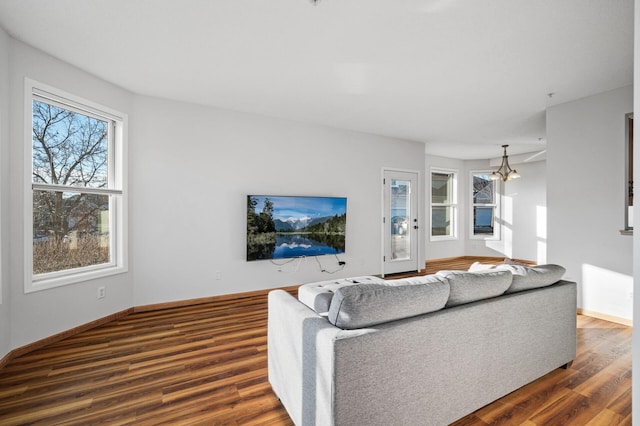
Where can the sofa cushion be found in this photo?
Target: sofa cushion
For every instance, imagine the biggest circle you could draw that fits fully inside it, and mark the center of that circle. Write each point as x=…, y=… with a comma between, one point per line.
x=529, y=277
x=364, y=305
x=318, y=295
x=467, y=287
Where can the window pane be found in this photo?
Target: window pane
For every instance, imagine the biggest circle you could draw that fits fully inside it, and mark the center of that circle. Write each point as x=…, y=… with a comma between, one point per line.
x=70, y=230
x=441, y=188
x=441, y=221
x=69, y=148
x=483, y=220
x=483, y=189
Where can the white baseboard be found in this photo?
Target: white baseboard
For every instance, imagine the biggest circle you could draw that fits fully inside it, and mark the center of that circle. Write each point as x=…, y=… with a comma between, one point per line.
x=606, y=317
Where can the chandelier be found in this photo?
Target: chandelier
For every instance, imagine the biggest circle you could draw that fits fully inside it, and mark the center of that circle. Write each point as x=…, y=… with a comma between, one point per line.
x=505, y=172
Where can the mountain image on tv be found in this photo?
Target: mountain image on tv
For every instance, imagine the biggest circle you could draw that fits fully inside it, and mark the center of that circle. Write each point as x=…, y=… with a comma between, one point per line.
x=281, y=227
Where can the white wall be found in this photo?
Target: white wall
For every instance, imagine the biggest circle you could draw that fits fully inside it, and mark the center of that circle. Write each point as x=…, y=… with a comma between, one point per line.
x=523, y=213
x=5, y=318
x=585, y=195
x=44, y=313
x=192, y=168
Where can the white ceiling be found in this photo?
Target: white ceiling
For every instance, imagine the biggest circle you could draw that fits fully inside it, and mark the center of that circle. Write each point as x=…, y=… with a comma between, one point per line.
x=463, y=76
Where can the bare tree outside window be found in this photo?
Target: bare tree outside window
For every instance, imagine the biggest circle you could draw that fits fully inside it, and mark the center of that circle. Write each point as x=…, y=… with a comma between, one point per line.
x=70, y=222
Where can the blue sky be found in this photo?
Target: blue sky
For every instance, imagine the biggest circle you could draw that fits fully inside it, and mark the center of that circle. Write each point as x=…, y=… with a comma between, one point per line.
x=303, y=207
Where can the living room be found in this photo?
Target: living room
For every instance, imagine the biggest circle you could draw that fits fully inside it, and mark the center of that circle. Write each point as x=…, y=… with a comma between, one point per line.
x=190, y=166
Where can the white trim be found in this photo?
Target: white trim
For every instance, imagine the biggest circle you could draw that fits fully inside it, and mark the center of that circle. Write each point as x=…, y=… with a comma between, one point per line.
x=381, y=219
x=117, y=149
x=453, y=204
x=71, y=102
x=27, y=191
x=497, y=227
x=83, y=189
x=606, y=317
x=382, y=215
x=73, y=276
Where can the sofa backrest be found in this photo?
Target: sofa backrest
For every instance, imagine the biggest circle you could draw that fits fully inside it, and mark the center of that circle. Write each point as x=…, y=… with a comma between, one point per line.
x=351, y=303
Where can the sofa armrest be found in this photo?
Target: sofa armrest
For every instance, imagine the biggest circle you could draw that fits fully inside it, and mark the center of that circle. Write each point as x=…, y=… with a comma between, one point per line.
x=301, y=347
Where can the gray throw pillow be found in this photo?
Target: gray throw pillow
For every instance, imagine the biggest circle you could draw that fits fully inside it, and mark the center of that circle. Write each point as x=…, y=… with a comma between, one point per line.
x=364, y=305
x=467, y=287
x=477, y=266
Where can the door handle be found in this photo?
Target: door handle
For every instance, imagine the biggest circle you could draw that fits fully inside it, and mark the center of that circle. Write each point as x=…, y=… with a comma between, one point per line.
x=415, y=226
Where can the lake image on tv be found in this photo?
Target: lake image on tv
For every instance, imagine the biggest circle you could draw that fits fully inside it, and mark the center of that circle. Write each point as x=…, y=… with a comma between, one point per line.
x=281, y=227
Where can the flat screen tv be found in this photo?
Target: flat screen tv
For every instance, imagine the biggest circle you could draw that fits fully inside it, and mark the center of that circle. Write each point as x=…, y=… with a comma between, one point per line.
x=281, y=227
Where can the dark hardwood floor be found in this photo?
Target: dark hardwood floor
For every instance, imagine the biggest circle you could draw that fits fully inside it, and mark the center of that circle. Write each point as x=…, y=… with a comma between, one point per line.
x=207, y=364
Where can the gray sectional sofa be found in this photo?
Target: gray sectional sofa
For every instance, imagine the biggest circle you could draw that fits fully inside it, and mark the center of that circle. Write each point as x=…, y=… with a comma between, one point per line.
x=419, y=351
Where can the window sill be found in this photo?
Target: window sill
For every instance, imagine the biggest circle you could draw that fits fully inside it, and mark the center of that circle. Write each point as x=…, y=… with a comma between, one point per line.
x=74, y=278
x=626, y=232
x=434, y=239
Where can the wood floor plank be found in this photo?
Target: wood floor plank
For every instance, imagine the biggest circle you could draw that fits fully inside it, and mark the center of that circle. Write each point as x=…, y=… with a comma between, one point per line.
x=622, y=404
x=565, y=410
x=206, y=364
x=44, y=412
x=609, y=418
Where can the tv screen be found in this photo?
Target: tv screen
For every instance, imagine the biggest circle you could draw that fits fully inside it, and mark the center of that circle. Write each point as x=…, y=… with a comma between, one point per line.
x=280, y=227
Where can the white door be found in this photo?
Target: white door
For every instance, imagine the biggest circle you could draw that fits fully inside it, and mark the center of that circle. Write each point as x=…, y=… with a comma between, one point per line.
x=400, y=222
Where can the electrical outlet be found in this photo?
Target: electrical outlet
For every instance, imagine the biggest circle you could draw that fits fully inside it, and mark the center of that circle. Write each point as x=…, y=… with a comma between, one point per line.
x=630, y=295
x=218, y=275
x=101, y=292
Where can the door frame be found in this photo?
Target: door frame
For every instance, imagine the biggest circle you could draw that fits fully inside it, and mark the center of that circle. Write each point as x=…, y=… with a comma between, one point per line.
x=419, y=201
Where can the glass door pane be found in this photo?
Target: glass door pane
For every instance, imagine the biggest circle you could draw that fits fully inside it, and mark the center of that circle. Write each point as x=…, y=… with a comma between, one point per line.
x=400, y=211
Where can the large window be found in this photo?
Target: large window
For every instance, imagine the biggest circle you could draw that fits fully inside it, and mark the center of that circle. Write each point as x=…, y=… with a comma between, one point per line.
x=77, y=189
x=443, y=204
x=484, y=206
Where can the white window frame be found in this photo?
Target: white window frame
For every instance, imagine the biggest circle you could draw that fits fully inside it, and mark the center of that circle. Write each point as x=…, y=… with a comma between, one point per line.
x=117, y=188
x=453, y=205
x=497, y=187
